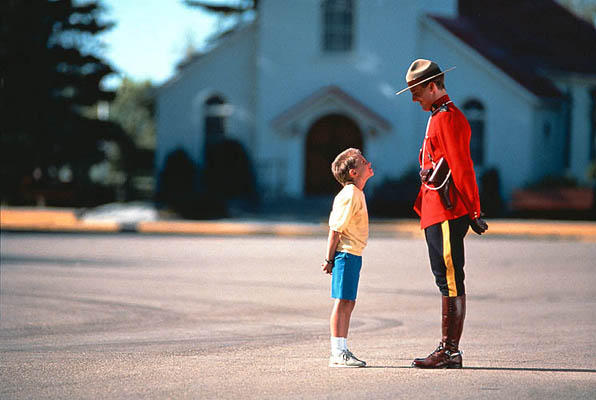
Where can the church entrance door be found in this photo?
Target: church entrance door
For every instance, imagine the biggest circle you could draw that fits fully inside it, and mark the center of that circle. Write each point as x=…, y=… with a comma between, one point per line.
x=327, y=137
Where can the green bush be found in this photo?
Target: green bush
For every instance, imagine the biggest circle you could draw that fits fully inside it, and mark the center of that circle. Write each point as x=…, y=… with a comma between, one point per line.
x=228, y=171
x=491, y=202
x=178, y=190
x=205, y=193
x=394, y=198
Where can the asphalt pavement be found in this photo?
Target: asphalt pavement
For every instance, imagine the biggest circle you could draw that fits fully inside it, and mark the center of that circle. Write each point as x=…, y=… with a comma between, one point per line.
x=192, y=316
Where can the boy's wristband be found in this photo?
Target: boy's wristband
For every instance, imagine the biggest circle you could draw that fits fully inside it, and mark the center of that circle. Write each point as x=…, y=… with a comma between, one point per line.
x=328, y=261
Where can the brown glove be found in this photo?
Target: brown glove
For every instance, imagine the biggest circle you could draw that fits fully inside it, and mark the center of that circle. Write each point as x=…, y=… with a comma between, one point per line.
x=478, y=225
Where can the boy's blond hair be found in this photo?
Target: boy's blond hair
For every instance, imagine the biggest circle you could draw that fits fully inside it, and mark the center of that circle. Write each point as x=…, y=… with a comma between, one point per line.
x=343, y=163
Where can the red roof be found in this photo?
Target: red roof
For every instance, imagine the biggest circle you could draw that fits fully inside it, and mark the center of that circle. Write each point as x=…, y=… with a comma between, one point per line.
x=527, y=39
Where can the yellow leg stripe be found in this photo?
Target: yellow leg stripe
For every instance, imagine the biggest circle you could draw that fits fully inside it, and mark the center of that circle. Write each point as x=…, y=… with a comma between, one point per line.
x=448, y=260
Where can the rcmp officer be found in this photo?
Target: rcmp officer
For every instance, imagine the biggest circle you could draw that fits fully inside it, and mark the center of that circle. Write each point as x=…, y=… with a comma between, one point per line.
x=448, y=202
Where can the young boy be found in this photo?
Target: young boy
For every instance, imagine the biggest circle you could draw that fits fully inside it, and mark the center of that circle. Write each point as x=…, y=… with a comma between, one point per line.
x=348, y=233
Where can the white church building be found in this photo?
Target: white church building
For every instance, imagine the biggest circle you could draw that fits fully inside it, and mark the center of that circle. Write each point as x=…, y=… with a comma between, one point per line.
x=306, y=79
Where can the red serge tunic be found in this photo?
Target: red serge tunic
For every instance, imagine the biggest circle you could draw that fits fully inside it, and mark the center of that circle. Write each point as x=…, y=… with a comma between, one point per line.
x=448, y=135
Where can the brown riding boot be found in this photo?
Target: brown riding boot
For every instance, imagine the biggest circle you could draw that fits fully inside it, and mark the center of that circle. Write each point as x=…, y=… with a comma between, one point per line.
x=447, y=355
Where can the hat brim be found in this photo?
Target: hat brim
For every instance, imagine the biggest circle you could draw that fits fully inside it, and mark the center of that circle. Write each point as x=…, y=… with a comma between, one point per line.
x=425, y=80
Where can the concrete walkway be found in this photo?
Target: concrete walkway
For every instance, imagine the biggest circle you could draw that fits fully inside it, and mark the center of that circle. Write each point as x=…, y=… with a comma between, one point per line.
x=68, y=220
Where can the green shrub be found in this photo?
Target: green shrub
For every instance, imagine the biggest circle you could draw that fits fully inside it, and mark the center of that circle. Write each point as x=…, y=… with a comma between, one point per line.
x=394, y=198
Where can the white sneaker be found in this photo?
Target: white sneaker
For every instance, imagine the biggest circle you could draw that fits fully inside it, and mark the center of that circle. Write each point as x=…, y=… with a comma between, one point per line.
x=345, y=360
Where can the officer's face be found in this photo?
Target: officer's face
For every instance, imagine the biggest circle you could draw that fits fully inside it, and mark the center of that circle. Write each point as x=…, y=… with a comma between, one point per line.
x=423, y=95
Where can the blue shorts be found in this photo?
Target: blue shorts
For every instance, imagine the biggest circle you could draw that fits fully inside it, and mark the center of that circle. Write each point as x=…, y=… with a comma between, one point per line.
x=345, y=276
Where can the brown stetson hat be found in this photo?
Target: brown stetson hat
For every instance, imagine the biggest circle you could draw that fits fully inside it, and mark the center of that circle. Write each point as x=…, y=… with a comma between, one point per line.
x=422, y=71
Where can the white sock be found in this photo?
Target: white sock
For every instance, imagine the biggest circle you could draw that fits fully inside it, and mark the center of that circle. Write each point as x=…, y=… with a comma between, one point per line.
x=338, y=344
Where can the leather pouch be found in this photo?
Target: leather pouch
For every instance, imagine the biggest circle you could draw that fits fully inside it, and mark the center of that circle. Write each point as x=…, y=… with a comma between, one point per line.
x=439, y=173
x=441, y=179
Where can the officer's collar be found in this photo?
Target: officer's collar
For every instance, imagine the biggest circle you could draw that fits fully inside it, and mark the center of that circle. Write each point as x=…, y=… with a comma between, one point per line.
x=441, y=102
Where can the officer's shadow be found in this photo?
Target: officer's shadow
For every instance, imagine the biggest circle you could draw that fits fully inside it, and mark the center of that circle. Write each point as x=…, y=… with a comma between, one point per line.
x=589, y=371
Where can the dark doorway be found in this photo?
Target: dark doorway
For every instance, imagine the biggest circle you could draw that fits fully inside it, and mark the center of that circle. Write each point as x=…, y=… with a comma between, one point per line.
x=327, y=137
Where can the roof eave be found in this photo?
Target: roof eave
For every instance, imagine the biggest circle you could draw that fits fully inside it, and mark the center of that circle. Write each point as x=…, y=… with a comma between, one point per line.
x=477, y=57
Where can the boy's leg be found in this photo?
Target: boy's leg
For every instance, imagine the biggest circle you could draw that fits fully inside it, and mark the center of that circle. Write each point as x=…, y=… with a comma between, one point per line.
x=340, y=317
x=339, y=324
x=346, y=274
x=344, y=288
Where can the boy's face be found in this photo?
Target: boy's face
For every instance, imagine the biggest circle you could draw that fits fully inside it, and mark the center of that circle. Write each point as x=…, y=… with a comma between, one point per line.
x=363, y=170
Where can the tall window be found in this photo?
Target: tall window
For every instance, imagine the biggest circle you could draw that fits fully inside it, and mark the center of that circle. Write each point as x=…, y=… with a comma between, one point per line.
x=338, y=21
x=593, y=128
x=567, y=107
x=474, y=111
x=215, y=113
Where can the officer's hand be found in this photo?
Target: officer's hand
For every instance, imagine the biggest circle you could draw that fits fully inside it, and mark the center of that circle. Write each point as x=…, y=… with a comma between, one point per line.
x=478, y=225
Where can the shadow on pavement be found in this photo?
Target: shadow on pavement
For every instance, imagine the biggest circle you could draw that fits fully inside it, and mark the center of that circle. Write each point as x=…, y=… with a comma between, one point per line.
x=590, y=371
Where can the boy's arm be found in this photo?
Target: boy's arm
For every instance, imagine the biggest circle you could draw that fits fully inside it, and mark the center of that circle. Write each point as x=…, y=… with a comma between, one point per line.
x=332, y=242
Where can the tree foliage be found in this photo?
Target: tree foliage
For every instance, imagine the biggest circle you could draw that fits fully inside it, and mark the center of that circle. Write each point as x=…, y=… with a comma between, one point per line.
x=231, y=14
x=229, y=8
x=50, y=73
x=133, y=110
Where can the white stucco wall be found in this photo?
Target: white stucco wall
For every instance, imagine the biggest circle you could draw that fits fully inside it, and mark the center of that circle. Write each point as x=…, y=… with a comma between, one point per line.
x=228, y=72
x=548, y=143
x=292, y=66
x=268, y=68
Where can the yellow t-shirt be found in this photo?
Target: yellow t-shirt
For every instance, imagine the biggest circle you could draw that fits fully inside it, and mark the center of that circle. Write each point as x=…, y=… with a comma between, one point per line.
x=349, y=217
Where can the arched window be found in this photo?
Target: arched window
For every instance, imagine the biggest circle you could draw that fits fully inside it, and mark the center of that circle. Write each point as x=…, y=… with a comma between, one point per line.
x=215, y=113
x=474, y=111
x=338, y=21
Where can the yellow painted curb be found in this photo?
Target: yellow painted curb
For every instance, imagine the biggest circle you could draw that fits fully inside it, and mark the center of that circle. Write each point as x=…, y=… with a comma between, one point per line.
x=50, y=220
x=580, y=230
x=54, y=220
x=229, y=228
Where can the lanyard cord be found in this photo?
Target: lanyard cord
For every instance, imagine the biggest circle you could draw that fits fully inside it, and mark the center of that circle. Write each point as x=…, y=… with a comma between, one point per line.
x=424, y=150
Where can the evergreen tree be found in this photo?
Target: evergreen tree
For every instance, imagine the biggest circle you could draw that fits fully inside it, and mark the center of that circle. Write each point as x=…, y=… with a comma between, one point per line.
x=50, y=72
x=133, y=110
x=229, y=8
x=231, y=14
